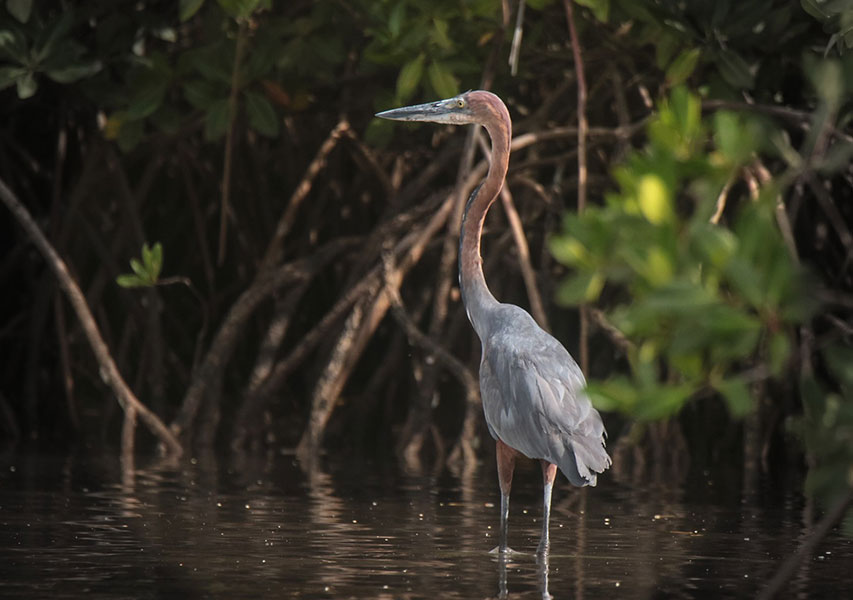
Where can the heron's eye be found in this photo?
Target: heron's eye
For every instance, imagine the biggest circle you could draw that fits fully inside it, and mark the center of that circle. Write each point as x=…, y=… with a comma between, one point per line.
x=460, y=103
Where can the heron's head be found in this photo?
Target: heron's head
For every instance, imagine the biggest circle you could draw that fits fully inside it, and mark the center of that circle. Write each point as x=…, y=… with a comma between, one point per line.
x=471, y=107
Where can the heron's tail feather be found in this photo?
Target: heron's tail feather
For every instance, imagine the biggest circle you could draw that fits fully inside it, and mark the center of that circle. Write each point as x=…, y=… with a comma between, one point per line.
x=587, y=457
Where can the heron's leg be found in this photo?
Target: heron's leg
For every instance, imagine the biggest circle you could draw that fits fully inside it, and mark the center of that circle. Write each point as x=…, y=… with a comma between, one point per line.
x=506, y=465
x=549, y=473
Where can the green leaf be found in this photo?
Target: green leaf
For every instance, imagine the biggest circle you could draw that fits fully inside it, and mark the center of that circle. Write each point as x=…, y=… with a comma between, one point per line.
x=262, y=117
x=153, y=260
x=199, y=93
x=217, y=119
x=27, y=85
x=20, y=9
x=442, y=80
x=127, y=280
x=74, y=73
x=735, y=70
x=813, y=7
x=395, y=20
x=409, y=78
x=683, y=66
x=130, y=134
x=737, y=396
x=187, y=8
x=57, y=36
x=9, y=75
x=146, y=100
x=139, y=268
x=599, y=8
x=240, y=9
x=14, y=46
x=439, y=34
x=584, y=286
x=735, y=139
x=655, y=199
x=779, y=351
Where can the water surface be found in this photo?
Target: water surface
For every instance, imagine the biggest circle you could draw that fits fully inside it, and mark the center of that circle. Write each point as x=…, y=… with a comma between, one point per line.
x=71, y=527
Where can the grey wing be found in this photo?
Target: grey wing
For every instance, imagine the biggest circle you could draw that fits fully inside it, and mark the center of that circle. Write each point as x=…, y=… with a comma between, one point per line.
x=534, y=401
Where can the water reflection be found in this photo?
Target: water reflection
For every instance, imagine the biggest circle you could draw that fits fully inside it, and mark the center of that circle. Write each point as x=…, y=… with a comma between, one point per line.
x=265, y=528
x=542, y=570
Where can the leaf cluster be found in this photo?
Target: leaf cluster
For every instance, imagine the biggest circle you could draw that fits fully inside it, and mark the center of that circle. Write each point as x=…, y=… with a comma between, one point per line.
x=701, y=301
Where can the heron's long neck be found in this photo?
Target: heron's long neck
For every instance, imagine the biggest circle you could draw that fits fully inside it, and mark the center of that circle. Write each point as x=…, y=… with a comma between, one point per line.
x=475, y=293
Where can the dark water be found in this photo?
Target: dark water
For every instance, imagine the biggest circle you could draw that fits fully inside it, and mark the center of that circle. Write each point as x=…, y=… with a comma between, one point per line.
x=70, y=528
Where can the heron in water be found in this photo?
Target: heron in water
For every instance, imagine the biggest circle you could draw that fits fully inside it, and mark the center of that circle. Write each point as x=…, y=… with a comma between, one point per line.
x=532, y=389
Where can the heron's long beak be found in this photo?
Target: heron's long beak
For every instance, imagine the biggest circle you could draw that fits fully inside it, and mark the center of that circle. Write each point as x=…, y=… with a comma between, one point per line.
x=431, y=111
x=452, y=111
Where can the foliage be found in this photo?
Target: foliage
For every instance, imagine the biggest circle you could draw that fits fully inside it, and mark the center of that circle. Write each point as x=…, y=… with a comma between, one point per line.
x=827, y=428
x=707, y=306
x=146, y=272
x=31, y=48
x=689, y=256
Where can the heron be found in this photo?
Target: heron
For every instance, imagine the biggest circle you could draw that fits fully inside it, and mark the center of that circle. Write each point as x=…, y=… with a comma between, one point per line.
x=532, y=390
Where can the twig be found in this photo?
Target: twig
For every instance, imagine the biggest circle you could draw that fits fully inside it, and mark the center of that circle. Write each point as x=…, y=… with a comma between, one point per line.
x=834, y=216
x=801, y=118
x=721, y=201
x=517, y=34
x=782, y=220
x=274, y=248
x=618, y=338
x=228, y=160
x=459, y=370
x=109, y=371
x=583, y=126
x=334, y=376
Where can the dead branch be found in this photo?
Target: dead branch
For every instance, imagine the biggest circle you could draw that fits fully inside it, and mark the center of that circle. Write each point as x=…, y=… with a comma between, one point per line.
x=109, y=371
x=210, y=370
x=274, y=248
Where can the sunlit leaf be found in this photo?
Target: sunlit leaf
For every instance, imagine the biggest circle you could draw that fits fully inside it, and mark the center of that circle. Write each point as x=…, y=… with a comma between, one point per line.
x=409, y=78
x=439, y=34
x=682, y=67
x=735, y=391
x=131, y=281
x=442, y=80
x=655, y=199
x=735, y=139
x=583, y=286
x=569, y=250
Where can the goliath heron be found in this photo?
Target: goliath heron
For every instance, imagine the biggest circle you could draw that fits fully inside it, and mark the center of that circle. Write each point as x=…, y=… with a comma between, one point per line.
x=532, y=389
